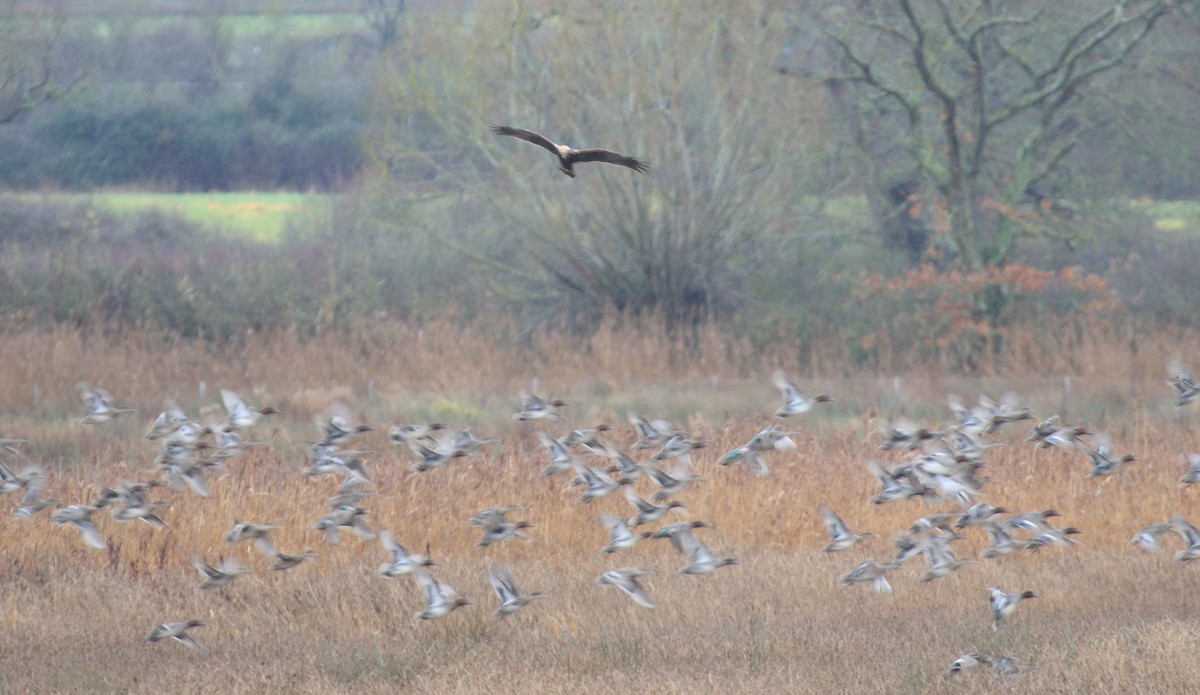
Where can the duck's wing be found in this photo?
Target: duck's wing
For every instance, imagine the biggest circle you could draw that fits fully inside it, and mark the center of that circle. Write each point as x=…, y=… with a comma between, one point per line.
x=433, y=591
x=685, y=541
x=1188, y=532
x=530, y=401
x=757, y=465
x=834, y=524
x=641, y=424
x=637, y=502
x=205, y=569
x=234, y=405
x=617, y=528
x=701, y=555
x=194, y=477
x=90, y=534
x=334, y=419
x=502, y=582
x=397, y=551
x=33, y=491
x=791, y=393
x=231, y=565
x=626, y=580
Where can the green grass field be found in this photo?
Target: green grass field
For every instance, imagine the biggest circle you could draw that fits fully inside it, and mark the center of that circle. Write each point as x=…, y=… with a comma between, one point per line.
x=1174, y=216
x=260, y=216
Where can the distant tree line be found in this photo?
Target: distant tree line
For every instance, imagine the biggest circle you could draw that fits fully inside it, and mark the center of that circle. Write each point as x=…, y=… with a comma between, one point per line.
x=197, y=102
x=1083, y=97
x=890, y=173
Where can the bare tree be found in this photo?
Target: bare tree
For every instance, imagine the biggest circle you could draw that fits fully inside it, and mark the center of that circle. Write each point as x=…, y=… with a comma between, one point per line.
x=973, y=104
x=383, y=17
x=29, y=35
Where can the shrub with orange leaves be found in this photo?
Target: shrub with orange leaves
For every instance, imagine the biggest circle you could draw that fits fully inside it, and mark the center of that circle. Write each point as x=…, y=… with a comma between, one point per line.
x=965, y=318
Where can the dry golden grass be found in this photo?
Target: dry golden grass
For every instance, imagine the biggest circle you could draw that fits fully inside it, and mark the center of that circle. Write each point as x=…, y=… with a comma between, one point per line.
x=1110, y=618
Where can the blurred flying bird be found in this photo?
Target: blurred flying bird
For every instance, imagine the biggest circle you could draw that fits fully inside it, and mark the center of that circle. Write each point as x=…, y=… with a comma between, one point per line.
x=80, y=516
x=440, y=599
x=841, y=537
x=626, y=579
x=1193, y=474
x=1147, y=538
x=536, y=408
x=402, y=562
x=100, y=404
x=176, y=631
x=511, y=600
x=283, y=561
x=794, y=402
x=568, y=157
x=1186, y=388
x=868, y=573
x=239, y=415
x=220, y=575
x=1004, y=604
x=334, y=423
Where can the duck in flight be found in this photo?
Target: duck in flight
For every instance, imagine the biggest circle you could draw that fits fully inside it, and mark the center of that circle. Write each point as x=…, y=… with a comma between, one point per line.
x=567, y=156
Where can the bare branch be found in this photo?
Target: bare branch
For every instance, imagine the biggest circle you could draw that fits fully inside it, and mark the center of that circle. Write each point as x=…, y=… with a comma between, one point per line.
x=27, y=78
x=866, y=74
x=1066, y=74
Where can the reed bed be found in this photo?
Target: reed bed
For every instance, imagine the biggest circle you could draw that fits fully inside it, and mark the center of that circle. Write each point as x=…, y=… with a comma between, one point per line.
x=1109, y=618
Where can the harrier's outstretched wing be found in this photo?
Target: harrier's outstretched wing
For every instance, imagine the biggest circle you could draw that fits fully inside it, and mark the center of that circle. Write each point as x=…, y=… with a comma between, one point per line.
x=601, y=155
x=528, y=136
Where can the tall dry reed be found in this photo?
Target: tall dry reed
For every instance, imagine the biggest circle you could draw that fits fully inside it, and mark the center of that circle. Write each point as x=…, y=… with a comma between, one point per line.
x=1110, y=618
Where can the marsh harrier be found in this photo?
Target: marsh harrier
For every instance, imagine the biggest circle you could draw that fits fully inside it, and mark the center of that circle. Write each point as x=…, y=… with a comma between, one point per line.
x=568, y=157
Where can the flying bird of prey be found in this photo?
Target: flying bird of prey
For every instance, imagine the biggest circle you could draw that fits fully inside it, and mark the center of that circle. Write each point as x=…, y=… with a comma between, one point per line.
x=567, y=156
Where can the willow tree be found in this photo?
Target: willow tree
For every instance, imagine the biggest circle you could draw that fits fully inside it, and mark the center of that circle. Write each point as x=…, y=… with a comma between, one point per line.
x=685, y=86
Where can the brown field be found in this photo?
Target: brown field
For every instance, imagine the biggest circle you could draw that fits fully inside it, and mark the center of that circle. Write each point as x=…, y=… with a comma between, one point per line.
x=72, y=619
